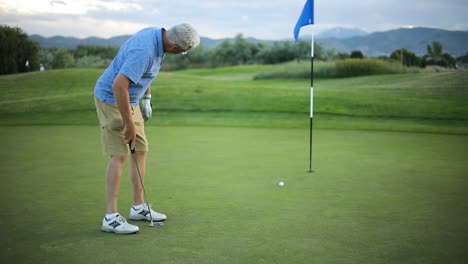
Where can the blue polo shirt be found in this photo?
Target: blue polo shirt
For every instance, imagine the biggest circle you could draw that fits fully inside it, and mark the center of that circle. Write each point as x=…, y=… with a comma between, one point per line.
x=139, y=59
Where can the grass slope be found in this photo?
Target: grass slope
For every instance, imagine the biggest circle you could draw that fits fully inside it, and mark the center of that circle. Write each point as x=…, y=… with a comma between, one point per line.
x=375, y=197
x=430, y=102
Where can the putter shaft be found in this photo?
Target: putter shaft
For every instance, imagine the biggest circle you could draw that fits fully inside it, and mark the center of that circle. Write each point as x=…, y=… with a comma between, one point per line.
x=142, y=185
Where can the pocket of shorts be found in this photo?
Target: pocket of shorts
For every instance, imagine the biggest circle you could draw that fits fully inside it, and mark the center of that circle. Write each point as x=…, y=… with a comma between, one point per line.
x=114, y=124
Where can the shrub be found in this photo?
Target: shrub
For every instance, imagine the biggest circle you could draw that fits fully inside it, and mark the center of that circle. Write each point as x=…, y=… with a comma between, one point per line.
x=362, y=67
x=92, y=61
x=337, y=69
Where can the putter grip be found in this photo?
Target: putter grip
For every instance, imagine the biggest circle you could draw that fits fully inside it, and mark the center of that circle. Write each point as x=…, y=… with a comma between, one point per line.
x=131, y=150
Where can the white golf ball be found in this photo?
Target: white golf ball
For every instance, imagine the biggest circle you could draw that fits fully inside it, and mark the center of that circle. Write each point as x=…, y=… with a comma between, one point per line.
x=281, y=184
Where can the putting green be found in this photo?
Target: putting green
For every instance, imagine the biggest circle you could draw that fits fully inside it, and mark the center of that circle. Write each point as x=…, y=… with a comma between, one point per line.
x=375, y=197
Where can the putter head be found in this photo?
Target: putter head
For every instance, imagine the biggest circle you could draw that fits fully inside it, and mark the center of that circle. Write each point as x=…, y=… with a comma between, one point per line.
x=156, y=224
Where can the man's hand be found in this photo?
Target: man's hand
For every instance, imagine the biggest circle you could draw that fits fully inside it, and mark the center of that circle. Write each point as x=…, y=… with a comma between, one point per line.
x=146, y=109
x=130, y=135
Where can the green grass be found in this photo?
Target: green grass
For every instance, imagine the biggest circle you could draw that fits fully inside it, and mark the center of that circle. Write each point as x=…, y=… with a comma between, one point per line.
x=433, y=102
x=375, y=197
x=219, y=144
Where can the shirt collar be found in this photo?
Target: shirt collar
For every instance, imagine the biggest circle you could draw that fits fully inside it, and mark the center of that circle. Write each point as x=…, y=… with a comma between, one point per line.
x=160, y=42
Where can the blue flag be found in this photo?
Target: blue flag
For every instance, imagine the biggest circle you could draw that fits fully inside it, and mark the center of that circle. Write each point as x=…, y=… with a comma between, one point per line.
x=306, y=18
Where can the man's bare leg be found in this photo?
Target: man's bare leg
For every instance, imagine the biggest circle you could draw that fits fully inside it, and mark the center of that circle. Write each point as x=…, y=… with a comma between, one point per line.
x=113, y=176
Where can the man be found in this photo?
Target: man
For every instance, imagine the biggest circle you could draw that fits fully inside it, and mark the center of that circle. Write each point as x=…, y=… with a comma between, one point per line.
x=117, y=94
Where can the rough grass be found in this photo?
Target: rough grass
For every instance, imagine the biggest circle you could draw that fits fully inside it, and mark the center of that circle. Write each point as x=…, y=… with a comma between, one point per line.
x=433, y=102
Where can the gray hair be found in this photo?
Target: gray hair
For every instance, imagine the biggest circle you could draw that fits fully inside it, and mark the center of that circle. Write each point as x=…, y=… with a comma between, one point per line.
x=183, y=35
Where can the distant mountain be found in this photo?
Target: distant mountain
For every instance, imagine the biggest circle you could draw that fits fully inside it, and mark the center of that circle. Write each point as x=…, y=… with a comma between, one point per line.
x=72, y=43
x=341, y=33
x=372, y=45
x=210, y=43
x=413, y=39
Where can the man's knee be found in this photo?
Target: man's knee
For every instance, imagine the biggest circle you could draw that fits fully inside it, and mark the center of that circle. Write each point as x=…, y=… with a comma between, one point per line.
x=119, y=159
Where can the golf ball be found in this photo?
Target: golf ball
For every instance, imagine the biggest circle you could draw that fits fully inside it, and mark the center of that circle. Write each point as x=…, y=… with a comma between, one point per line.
x=281, y=184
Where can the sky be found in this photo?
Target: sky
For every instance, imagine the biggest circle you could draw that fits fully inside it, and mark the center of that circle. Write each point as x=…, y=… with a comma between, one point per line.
x=262, y=19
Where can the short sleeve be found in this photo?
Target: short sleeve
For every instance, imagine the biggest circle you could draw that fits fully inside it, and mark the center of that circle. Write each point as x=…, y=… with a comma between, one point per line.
x=135, y=64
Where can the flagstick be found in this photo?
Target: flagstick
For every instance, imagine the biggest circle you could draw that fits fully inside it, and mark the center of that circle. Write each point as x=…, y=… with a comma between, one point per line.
x=311, y=96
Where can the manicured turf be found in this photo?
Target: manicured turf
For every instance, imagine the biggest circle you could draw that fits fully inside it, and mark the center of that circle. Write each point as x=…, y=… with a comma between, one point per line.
x=375, y=197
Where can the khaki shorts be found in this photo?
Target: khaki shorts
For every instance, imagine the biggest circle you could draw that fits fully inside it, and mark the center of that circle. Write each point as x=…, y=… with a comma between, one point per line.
x=111, y=125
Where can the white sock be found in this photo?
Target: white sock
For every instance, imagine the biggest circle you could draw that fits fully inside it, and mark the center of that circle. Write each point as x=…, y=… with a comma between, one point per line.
x=111, y=216
x=138, y=207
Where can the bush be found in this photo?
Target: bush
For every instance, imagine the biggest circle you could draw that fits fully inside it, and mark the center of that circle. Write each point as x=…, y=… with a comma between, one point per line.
x=92, y=61
x=362, y=67
x=337, y=69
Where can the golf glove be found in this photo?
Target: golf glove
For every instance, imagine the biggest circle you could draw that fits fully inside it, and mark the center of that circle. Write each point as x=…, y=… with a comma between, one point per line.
x=146, y=108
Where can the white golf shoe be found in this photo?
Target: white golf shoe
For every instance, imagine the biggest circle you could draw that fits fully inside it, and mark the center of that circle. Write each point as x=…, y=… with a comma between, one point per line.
x=118, y=225
x=144, y=214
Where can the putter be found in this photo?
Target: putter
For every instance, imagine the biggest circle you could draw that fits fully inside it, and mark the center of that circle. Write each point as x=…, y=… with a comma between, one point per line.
x=152, y=223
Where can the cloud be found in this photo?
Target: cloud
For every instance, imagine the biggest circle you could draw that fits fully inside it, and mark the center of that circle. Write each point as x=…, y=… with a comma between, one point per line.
x=115, y=5
x=79, y=27
x=54, y=2
x=268, y=19
x=377, y=15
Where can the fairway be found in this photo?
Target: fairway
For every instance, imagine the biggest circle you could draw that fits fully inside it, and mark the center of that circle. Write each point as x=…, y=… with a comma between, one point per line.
x=375, y=197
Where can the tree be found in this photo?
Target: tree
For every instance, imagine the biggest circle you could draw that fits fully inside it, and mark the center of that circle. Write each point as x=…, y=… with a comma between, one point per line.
x=436, y=56
x=319, y=52
x=104, y=52
x=342, y=56
x=450, y=61
x=224, y=54
x=409, y=58
x=356, y=54
x=302, y=49
x=434, y=53
x=463, y=59
x=62, y=59
x=242, y=50
x=17, y=52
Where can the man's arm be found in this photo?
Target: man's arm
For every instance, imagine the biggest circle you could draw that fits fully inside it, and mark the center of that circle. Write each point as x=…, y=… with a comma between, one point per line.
x=148, y=92
x=120, y=88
